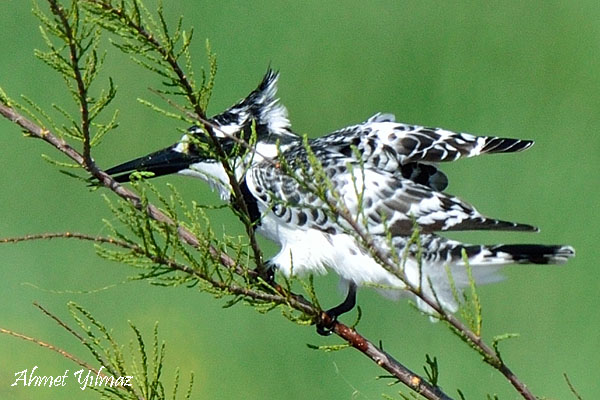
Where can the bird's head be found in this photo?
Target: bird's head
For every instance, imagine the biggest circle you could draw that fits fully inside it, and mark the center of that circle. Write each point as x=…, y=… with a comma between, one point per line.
x=249, y=130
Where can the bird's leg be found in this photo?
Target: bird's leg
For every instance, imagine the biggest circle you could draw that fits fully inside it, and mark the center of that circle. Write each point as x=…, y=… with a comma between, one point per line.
x=325, y=325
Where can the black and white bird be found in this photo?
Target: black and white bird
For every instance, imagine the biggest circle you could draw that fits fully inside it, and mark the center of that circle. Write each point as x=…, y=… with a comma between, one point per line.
x=382, y=173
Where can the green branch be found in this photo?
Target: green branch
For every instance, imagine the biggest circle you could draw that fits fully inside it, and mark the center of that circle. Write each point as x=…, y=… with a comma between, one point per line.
x=145, y=37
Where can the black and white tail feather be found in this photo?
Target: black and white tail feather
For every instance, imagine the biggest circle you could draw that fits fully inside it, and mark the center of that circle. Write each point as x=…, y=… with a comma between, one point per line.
x=385, y=173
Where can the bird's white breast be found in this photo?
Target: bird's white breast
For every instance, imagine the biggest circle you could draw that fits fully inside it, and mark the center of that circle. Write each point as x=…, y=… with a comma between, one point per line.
x=312, y=250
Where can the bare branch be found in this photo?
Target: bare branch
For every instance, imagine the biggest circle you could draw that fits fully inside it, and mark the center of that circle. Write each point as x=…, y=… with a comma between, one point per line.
x=387, y=362
x=49, y=346
x=64, y=235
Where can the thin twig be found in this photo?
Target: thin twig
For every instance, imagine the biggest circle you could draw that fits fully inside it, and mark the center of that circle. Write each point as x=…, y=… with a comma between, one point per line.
x=59, y=322
x=489, y=354
x=81, y=339
x=166, y=52
x=380, y=357
x=571, y=387
x=82, y=89
x=64, y=353
x=49, y=346
x=63, y=235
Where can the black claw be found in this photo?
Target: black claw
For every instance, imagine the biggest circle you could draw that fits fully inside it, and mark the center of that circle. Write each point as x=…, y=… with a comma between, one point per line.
x=327, y=321
x=326, y=330
x=267, y=273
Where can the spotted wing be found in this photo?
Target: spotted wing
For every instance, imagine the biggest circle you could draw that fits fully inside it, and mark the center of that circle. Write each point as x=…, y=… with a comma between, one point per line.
x=378, y=199
x=397, y=203
x=355, y=146
x=434, y=145
x=384, y=143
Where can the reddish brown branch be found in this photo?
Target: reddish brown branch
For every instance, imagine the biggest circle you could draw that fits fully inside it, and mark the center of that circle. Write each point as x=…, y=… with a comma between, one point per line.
x=49, y=346
x=380, y=357
x=489, y=355
x=387, y=362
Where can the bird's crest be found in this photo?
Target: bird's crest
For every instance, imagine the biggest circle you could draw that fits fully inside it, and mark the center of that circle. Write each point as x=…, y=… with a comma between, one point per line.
x=261, y=106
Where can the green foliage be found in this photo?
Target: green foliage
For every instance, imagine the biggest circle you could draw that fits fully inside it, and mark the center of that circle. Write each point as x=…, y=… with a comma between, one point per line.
x=73, y=41
x=155, y=249
x=145, y=371
x=498, y=338
x=145, y=35
x=469, y=303
x=73, y=36
x=432, y=370
x=328, y=348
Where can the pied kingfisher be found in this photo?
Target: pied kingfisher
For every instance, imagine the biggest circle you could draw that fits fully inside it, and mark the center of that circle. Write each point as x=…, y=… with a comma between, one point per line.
x=385, y=175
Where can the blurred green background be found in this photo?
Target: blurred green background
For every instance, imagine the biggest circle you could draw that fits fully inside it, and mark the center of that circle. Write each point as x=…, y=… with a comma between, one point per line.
x=517, y=69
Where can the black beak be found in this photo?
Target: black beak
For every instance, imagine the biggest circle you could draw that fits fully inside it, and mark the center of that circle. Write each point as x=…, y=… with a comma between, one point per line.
x=162, y=162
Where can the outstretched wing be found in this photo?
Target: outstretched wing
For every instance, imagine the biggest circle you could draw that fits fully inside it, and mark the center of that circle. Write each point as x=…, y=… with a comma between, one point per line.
x=397, y=203
x=418, y=143
x=383, y=144
x=380, y=200
x=433, y=145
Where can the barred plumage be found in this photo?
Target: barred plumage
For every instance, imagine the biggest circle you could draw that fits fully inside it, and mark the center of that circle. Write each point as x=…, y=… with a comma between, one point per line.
x=384, y=173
